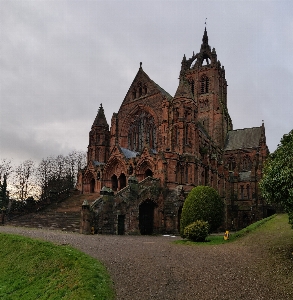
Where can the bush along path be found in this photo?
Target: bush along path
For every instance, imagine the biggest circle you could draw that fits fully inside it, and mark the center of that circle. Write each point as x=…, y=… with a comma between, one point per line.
x=258, y=265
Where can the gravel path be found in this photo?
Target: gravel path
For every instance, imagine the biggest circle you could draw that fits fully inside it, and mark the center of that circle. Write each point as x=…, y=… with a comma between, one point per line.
x=152, y=267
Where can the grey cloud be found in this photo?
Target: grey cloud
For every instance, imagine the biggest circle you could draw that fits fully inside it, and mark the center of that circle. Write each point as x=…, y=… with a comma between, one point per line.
x=61, y=59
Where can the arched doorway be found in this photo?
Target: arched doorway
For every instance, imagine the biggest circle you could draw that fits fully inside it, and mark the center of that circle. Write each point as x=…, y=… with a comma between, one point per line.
x=114, y=182
x=122, y=181
x=146, y=217
x=92, y=185
x=147, y=173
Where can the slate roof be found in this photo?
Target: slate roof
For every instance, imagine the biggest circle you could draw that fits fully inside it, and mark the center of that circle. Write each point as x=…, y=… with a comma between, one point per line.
x=162, y=90
x=243, y=138
x=97, y=163
x=183, y=90
x=245, y=175
x=128, y=153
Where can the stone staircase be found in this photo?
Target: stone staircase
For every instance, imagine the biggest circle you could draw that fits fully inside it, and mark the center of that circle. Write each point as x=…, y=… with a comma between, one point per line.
x=64, y=215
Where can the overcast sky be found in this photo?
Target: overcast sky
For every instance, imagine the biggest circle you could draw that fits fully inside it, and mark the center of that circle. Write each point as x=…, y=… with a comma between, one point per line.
x=60, y=59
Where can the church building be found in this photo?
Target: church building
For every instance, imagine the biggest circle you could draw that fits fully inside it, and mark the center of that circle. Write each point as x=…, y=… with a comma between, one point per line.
x=159, y=147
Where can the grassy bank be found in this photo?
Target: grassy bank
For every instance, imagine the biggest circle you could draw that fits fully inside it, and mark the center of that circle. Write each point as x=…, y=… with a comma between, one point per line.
x=219, y=239
x=32, y=269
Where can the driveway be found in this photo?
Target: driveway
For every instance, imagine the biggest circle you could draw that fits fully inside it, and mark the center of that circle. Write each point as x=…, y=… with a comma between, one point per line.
x=152, y=267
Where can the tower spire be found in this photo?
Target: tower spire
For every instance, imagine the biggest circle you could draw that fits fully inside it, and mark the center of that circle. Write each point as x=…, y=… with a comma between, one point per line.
x=205, y=39
x=100, y=119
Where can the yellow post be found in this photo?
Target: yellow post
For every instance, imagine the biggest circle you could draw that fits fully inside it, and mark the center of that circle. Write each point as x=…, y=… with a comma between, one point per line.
x=226, y=235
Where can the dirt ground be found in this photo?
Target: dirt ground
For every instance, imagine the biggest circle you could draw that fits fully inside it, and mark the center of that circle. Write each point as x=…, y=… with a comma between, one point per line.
x=258, y=266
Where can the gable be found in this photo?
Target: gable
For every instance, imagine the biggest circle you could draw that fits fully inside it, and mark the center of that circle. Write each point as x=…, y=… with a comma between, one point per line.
x=141, y=87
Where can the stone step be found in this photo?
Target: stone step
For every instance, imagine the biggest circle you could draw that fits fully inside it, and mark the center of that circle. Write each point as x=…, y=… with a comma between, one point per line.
x=63, y=215
x=64, y=221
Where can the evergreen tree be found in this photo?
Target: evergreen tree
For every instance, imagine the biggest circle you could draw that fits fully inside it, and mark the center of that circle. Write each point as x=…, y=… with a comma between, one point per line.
x=277, y=182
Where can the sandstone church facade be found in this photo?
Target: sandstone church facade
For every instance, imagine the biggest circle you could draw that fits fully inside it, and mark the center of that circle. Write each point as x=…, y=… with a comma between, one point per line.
x=159, y=147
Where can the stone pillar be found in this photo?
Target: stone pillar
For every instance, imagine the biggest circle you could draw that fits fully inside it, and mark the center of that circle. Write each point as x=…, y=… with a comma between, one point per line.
x=85, y=218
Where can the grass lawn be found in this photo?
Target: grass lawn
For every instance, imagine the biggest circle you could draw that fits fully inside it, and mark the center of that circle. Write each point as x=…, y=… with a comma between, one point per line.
x=32, y=269
x=219, y=239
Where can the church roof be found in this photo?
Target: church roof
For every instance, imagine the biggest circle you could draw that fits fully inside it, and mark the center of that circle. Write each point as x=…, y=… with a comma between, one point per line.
x=183, y=90
x=162, y=90
x=100, y=119
x=243, y=138
x=128, y=153
x=245, y=175
x=97, y=163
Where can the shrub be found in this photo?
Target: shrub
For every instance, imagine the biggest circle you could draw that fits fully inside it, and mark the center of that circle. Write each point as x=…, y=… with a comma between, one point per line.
x=197, y=231
x=202, y=203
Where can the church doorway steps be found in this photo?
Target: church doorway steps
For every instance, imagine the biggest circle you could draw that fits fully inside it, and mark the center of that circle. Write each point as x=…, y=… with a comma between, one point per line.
x=146, y=217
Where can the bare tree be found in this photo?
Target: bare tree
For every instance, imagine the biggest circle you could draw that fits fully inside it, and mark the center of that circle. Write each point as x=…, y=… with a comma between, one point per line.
x=5, y=168
x=75, y=160
x=44, y=173
x=55, y=174
x=24, y=185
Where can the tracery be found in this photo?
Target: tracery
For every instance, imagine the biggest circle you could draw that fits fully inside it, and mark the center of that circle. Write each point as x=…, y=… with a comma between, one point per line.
x=142, y=132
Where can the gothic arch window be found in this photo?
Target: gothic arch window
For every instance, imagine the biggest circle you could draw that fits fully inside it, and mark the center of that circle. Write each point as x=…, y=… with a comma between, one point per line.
x=188, y=114
x=145, y=89
x=140, y=91
x=186, y=173
x=186, y=137
x=246, y=164
x=122, y=181
x=176, y=114
x=114, y=182
x=204, y=84
x=133, y=94
x=142, y=131
x=148, y=173
x=177, y=135
x=180, y=169
x=248, y=191
x=175, y=138
x=192, y=86
x=92, y=185
x=231, y=163
x=98, y=155
x=241, y=192
x=205, y=61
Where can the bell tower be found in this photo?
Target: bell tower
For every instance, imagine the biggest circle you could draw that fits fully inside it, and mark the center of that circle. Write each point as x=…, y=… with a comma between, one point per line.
x=209, y=88
x=99, y=138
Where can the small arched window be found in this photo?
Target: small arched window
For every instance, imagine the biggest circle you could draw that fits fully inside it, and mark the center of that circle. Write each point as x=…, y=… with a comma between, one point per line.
x=192, y=87
x=204, y=84
x=231, y=163
x=246, y=163
x=186, y=173
x=114, y=182
x=122, y=181
x=241, y=192
x=248, y=191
